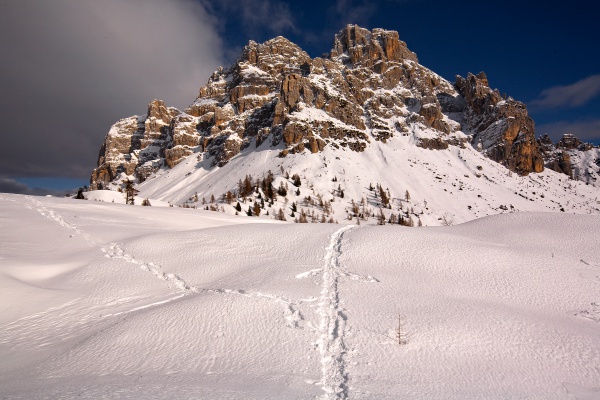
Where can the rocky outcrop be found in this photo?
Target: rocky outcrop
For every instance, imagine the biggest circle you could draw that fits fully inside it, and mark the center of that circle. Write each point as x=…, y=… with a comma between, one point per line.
x=134, y=146
x=501, y=126
x=572, y=157
x=358, y=46
x=370, y=87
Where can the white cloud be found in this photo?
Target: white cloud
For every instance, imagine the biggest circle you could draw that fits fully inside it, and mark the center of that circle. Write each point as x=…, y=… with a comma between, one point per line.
x=354, y=12
x=574, y=95
x=255, y=16
x=71, y=68
x=585, y=130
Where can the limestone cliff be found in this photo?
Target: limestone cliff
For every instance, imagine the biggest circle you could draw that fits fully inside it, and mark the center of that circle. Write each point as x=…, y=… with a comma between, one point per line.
x=370, y=87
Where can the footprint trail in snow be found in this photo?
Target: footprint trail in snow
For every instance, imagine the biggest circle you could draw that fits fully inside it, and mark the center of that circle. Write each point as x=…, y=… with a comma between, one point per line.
x=293, y=315
x=334, y=379
x=52, y=216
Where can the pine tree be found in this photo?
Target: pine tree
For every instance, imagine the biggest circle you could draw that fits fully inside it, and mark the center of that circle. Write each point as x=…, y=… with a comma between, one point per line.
x=381, y=217
x=238, y=206
x=256, y=210
x=385, y=201
x=130, y=192
x=282, y=191
x=281, y=215
x=247, y=189
x=296, y=180
x=303, y=217
x=80, y=195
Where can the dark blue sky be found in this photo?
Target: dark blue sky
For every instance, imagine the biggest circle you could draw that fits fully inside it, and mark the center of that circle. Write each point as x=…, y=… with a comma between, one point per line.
x=524, y=47
x=72, y=69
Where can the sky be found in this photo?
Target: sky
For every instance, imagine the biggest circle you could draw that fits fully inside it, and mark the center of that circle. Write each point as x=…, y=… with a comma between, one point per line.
x=72, y=68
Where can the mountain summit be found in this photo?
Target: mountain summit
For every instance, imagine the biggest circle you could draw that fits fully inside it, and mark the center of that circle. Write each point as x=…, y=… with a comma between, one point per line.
x=367, y=96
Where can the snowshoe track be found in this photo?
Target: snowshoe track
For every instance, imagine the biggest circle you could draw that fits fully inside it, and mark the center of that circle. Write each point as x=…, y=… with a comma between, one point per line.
x=333, y=320
x=52, y=216
x=292, y=312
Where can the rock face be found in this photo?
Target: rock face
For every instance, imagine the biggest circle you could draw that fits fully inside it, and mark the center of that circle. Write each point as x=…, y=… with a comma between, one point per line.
x=572, y=157
x=134, y=145
x=370, y=87
x=500, y=126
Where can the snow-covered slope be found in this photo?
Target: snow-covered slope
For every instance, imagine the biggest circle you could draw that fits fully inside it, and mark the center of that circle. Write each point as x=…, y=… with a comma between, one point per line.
x=451, y=185
x=103, y=300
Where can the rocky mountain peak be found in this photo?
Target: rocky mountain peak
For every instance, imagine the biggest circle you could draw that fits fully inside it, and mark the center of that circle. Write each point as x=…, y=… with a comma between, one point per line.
x=501, y=127
x=369, y=88
x=359, y=46
x=570, y=142
x=159, y=111
x=476, y=90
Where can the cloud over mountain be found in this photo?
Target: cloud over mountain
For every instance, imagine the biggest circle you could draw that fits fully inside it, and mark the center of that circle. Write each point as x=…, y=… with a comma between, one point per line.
x=573, y=95
x=91, y=63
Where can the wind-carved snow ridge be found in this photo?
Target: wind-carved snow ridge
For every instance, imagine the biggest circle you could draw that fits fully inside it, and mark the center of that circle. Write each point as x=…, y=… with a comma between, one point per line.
x=292, y=313
x=333, y=321
x=51, y=215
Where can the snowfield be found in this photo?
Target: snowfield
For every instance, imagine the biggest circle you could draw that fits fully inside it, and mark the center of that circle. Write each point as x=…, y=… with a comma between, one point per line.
x=102, y=300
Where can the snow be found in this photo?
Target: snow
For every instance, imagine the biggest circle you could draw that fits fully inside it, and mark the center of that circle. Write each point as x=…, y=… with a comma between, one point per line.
x=461, y=184
x=204, y=101
x=306, y=113
x=251, y=70
x=103, y=300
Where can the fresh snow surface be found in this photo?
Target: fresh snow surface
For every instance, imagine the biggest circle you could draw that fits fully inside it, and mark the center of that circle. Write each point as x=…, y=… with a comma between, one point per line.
x=103, y=300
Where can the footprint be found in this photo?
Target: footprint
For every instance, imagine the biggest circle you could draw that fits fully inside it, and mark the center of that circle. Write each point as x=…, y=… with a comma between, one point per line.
x=592, y=313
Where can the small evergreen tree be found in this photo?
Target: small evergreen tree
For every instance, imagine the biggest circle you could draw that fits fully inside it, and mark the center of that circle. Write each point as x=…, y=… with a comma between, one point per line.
x=130, y=192
x=280, y=215
x=303, y=217
x=296, y=180
x=80, y=195
x=381, y=217
x=238, y=207
x=385, y=200
x=282, y=191
x=256, y=210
